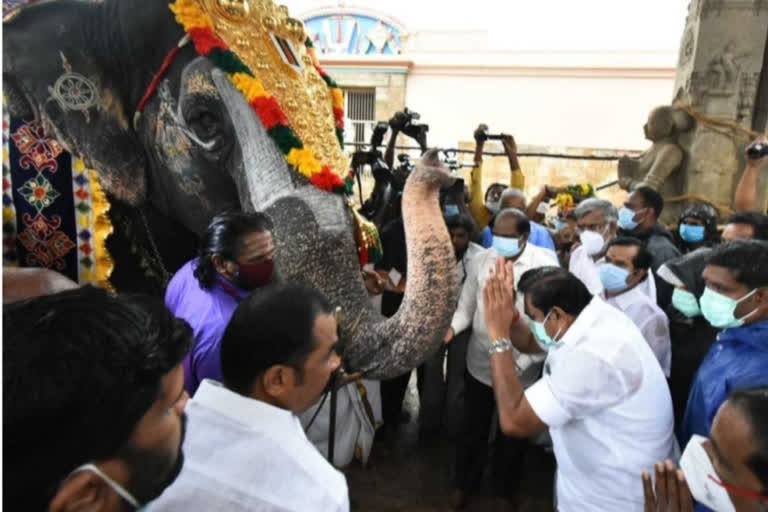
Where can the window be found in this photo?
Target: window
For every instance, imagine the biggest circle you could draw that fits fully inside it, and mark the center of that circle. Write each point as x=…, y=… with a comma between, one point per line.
x=360, y=110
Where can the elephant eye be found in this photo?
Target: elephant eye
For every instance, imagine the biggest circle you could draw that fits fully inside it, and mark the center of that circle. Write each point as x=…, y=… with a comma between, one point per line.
x=205, y=124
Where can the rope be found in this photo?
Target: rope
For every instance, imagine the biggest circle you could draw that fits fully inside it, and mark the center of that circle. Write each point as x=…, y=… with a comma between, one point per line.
x=495, y=153
x=716, y=122
x=152, y=87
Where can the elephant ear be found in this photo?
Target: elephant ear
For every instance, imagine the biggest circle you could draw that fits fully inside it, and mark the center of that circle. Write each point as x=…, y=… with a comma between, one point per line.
x=58, y=71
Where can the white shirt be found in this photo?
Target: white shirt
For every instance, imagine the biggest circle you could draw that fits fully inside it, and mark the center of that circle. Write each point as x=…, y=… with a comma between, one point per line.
x=243, y=455
x=650, y=319
x=358, y=410
x=608, y=409
x=470, y=311
x=462, y=265
x=588, y=271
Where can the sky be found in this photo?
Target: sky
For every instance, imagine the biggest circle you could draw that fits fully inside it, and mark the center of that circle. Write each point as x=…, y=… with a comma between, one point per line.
x=539, y=25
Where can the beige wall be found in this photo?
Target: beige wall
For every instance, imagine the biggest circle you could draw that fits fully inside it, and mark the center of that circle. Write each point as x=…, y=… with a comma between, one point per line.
x=582, y=111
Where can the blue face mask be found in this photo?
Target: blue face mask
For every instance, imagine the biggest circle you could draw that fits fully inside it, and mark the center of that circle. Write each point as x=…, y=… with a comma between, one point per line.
x=720, y=310
x=686, y=303
x=691, y=233
x=540, y=333
x=626, y=217
x=505, y=246
x=614, y=278
x=450, y=210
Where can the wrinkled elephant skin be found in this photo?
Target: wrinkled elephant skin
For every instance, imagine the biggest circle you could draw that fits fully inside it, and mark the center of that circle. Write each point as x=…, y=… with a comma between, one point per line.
x=199, y=149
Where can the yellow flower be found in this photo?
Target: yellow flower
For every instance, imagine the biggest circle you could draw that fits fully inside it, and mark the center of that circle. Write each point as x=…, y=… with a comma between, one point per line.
x=189, y=14
x=304, y=160
x=338, y=98
x=251, y=87
x=585, y=189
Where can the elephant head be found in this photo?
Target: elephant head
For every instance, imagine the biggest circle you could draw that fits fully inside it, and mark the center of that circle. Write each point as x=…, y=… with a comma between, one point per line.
x=81, y=68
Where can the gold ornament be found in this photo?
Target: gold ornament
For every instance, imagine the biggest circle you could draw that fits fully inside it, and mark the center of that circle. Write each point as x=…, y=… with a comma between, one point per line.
x=253, y=30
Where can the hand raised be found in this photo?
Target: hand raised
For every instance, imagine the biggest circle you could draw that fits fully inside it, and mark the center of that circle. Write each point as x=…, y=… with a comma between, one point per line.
x=672, y=494
x=499, y=301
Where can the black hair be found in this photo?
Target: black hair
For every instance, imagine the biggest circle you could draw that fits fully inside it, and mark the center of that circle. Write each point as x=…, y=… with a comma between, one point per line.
x=643, y=258
x=651, y=199
x=754, y=404
x=494, y=186
x=548, y=287
x=274, y=326
x=705, y=213
x=461, y=220
x=746, y=260
x=223, y=238
x=758, y=221
x=523, y=224
x=80, y=369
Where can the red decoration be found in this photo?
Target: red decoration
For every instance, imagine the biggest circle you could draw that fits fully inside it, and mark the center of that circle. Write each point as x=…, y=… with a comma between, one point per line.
x=269, y=112
x=326, y=180
x=205, y=40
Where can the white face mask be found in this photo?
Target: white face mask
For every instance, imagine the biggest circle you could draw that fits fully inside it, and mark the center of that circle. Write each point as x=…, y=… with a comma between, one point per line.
x=593, y=242
x=697, y=468
x=119, y=489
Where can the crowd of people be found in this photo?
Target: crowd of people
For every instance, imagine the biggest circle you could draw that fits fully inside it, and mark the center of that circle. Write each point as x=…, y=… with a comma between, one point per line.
x=635, y=354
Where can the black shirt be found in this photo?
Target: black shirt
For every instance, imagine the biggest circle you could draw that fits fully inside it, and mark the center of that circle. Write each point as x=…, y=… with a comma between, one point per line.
x=395, y=257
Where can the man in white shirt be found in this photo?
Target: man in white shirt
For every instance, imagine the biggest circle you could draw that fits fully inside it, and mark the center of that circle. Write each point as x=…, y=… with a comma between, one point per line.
x=510, y=235
x=627, y=264
x=596, y=220
x=245, y=448
x=603, y=395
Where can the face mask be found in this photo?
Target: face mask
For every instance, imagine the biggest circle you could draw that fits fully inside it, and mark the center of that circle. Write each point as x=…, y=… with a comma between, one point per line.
x=697, y=468
x=719, y=310
x=450, y=210
x=250, y=276
x=593, y=242
x=505, y=246
x=540, y=333
x=626, y=217
x=691, y=233
x=614, y=278
x=493, y=206
x=119, y=489
x=557, y=224
x=686, y=303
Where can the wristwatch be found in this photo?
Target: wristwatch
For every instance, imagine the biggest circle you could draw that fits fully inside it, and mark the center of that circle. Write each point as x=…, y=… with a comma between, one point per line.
x=500, y=346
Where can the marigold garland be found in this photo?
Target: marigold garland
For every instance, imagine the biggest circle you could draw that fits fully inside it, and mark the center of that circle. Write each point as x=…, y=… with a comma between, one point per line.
x=199, y=27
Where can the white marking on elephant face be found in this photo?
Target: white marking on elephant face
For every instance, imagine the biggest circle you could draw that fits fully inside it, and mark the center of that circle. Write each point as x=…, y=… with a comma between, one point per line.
x=267, y=176
x=75, y=92
x=173, y=110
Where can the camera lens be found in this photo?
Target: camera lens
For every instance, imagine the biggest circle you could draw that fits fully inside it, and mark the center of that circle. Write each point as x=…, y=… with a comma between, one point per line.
x=757, y=151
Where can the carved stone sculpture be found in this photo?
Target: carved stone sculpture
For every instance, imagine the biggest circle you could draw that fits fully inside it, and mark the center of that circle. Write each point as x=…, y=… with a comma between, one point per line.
x=654, y=166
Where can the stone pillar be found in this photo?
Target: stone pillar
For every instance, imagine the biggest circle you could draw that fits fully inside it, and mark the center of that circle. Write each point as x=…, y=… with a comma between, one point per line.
x=719, y=74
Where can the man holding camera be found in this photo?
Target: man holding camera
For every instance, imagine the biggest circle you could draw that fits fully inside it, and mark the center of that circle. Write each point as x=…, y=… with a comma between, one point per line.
x=485, y=206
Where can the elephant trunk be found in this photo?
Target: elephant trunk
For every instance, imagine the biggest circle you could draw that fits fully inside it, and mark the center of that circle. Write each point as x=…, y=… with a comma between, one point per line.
x=390, y=347
x=314, y=242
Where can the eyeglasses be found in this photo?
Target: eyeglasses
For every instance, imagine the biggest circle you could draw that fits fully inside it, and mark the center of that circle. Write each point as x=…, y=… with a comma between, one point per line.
x=739, y=492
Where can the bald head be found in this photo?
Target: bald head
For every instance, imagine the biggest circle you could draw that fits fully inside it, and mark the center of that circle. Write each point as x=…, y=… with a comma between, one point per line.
x=513, y=198
x=512, y=223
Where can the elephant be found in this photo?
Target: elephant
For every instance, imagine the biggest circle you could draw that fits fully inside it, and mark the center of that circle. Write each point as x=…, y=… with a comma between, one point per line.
x=198, y=149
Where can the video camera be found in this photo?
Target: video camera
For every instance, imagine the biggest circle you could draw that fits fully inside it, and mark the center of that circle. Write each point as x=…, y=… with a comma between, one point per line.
x=483, y=135
x=373, y=157
x=757, y=151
